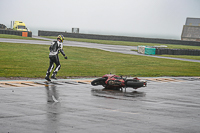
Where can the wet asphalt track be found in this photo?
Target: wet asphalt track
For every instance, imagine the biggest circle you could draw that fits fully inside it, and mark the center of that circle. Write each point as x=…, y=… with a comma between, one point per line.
x=164, y=106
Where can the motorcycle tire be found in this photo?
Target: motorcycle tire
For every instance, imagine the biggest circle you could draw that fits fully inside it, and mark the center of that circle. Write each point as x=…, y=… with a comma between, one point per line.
x=99, y=81
x=134, y=83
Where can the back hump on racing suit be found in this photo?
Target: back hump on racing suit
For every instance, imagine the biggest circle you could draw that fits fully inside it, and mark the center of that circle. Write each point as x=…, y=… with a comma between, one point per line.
x=55, y=47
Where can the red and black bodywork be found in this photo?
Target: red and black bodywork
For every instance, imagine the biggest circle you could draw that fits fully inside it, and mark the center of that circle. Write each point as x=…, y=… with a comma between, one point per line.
x=111, y=81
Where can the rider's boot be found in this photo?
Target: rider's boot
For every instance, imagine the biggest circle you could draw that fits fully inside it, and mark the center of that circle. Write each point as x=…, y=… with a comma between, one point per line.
x=54, y=75
x=47, y=76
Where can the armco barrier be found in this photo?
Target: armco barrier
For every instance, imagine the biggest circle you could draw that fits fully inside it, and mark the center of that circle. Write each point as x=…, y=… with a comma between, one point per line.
x=14, y=32
x=118, y=38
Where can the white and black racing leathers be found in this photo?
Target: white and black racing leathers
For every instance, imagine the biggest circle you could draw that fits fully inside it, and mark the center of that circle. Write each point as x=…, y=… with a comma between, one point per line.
x=55, y=48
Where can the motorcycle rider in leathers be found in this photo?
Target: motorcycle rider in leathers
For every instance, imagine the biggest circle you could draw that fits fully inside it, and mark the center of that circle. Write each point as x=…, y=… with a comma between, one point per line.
x=55, y=48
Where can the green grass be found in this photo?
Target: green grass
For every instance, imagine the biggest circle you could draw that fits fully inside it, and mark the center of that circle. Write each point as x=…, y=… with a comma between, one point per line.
x=183, y=56
x=17, y=37
x=126, y=43
x=28, y=60
x=171, y=46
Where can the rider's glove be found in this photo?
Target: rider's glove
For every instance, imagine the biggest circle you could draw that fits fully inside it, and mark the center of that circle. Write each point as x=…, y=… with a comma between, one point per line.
x=65, y=57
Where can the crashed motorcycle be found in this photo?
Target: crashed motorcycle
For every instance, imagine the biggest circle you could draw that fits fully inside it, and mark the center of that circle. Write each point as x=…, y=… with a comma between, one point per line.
x=111, y=81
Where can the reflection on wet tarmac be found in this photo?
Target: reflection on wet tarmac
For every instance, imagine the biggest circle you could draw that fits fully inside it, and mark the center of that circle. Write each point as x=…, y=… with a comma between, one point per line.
x=117, y=94
x=53, y=109
x=52, y=94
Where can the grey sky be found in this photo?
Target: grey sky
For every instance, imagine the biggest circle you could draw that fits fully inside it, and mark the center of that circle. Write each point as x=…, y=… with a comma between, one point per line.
x=139, y=18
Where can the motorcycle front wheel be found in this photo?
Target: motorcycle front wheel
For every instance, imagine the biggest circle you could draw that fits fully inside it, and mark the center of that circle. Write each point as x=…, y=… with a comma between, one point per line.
x=134, y=83
x=99, y=81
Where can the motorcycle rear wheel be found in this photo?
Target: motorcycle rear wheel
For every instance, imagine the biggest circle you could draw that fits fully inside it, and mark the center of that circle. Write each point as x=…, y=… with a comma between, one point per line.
x=99, y=81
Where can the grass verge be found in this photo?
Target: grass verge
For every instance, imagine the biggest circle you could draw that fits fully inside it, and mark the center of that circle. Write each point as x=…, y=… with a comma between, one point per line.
x=17, y=37
x=171, y=46
x=183, y=56
x=126, y=43
x=25, y=60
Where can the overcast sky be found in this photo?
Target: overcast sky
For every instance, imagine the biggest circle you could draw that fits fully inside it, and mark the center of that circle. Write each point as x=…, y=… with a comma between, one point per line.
x=139, y=18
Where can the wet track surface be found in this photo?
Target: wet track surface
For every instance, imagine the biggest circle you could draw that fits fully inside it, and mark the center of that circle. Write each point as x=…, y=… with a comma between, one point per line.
x=165, y=105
